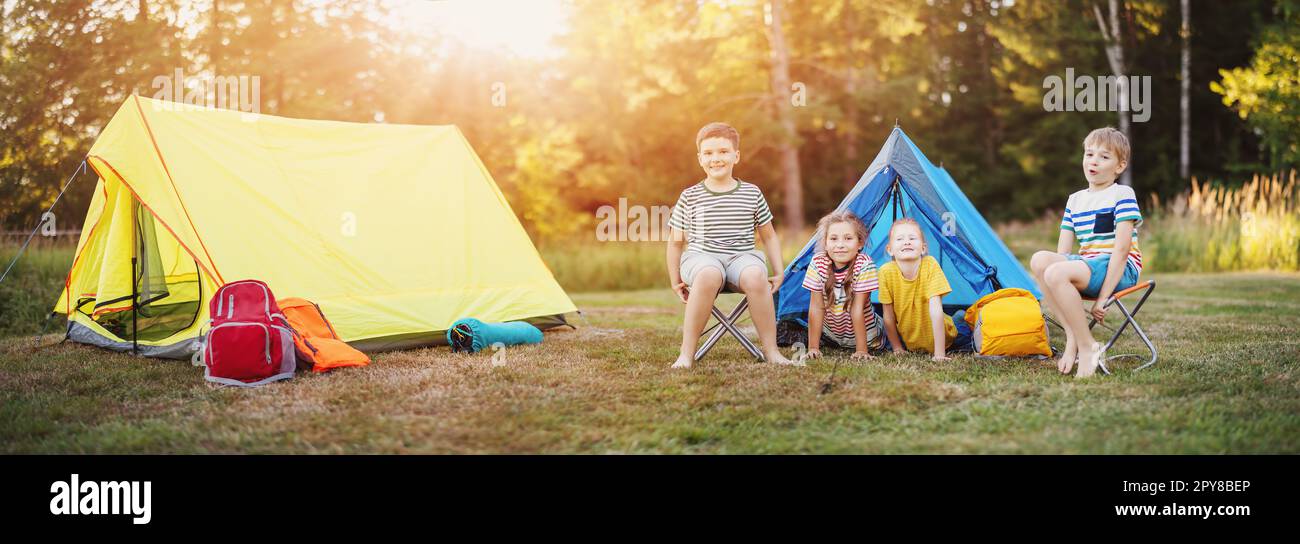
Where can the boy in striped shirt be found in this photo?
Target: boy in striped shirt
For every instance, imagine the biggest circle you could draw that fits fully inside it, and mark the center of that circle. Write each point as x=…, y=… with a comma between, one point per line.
x=711, y=244
x=1104, y=219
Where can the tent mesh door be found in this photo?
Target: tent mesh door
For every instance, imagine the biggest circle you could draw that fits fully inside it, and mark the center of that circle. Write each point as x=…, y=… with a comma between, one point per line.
x=167, y=284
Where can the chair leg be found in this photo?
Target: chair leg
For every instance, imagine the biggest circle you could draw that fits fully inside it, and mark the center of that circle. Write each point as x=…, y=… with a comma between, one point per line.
x=1141, y=334
x=747, y=344
x=711, y=340
x=1150, y=345
x=728, y=325
x=1129, y=319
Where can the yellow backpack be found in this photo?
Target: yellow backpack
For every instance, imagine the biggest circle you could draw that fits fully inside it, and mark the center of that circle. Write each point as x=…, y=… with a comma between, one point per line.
x=1008, y=322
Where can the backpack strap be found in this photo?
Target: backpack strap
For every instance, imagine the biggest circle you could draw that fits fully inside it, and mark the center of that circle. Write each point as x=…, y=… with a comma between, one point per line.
x=327, y=322
x=207, y=375
x=285, y=321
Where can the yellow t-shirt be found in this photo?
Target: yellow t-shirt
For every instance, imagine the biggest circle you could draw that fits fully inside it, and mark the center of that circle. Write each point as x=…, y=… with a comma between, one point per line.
x=911, y=300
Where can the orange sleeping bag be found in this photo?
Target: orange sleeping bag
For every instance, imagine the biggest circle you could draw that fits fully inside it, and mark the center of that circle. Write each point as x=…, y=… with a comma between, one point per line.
x=316, y=340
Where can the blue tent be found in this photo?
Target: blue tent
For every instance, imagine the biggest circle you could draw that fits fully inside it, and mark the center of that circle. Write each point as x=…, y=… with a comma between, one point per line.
x=901, y=182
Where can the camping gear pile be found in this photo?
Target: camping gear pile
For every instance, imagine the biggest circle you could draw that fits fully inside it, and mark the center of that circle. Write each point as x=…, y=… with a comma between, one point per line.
x=377, y=223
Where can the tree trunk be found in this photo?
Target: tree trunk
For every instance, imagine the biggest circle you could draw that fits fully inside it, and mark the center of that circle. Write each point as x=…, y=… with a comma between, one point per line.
x=850, y=126
x=992, y=126
x=1115, y=56
x=852, y=170
x=1184, y=94
x=786, y=148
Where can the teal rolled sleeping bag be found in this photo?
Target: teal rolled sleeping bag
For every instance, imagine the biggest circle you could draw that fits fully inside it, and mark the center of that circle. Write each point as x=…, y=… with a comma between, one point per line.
x=472, y=335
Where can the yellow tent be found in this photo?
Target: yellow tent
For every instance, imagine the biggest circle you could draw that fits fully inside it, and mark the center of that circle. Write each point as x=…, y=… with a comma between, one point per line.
x=395, y=231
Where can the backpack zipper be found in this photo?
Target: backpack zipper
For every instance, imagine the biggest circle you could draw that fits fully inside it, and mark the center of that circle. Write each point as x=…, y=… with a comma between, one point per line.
x=327, y=322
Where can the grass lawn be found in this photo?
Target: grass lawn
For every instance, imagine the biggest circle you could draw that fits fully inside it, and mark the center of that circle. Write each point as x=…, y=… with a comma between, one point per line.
x=1227, y=382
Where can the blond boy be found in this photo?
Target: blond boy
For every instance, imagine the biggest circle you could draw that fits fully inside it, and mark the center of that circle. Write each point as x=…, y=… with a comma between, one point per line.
x=1104, y=219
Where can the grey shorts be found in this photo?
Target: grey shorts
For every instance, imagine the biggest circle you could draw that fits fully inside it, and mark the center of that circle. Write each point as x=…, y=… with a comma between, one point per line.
x=730, y=265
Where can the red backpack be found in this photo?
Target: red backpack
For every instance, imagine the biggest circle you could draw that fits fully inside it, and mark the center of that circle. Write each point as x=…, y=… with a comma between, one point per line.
x=250, y=342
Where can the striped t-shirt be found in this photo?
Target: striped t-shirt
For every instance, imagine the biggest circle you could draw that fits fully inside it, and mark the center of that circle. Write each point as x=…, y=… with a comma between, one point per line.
x=839, y=317
x=720, y=223
x=1093, y=215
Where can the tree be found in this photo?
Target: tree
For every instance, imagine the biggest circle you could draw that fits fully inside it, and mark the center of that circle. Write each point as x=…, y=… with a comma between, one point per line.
x=788, y=145
x=1184, y=92
x=65, y=67
x=1111, y=31
x=1266, y=94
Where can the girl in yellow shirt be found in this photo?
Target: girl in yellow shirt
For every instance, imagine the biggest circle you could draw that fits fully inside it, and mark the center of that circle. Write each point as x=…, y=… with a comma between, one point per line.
x=912, y=287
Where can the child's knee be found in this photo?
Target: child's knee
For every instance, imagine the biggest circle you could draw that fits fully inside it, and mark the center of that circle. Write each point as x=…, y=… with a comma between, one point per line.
x=1058, y=273
x=708, y=278
x=752, y=279
x=1041, y=260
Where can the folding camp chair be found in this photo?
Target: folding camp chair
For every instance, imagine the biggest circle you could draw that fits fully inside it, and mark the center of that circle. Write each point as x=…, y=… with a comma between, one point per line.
x=727, y=324
x=1147, y=287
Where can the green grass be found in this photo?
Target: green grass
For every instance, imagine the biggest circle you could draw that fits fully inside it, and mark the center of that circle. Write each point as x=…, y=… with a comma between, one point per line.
x=28, y=294
x=587, y=266
x=1226, y=382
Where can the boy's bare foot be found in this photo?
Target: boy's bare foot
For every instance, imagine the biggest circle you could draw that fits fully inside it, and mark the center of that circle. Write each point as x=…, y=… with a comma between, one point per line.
x=1066, y=362
x=775, y=356
x=683, y=361
x=1090, y=359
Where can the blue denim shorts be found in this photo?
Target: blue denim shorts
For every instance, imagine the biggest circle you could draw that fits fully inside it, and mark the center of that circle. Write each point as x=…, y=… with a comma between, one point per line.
x=1098, y=265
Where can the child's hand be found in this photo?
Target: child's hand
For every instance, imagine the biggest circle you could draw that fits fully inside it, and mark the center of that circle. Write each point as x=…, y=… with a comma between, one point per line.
x=683, y=292
x=814, y=353
x=939, y=357
x=861, y=355
x=900, y=351
x=1098, y=311
x=776, y=282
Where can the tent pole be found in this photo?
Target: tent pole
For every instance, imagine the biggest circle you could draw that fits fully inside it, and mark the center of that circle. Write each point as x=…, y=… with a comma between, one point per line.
x=135, y=250
x=40, y=224
x=894, y=196
x=135, y=345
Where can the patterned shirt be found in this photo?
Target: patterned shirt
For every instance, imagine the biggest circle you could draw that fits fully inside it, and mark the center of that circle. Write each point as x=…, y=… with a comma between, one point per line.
x=720, y=223
x=1093, y=215
x=839, y=318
